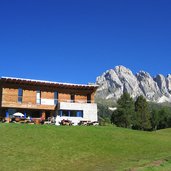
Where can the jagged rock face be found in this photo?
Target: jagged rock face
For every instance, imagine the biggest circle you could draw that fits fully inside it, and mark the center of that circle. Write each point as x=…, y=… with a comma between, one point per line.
x=168, y=82
x=148, y=86
x=114, y=82
x=128, y=80
x=161, y=82
x=110, y=85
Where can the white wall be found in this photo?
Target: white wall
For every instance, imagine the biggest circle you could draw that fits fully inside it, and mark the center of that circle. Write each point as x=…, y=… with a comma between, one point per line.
x=89, y=111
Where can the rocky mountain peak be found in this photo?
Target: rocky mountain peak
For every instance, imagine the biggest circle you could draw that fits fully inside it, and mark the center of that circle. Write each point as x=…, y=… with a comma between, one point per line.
x=142, y=75
x=114, y=82
x=122, y=69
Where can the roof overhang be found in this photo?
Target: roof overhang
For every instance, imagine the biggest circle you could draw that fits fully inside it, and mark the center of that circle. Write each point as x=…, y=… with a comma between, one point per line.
x=33, y=82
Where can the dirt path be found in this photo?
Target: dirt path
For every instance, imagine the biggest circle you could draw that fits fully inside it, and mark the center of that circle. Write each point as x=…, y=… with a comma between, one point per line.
x=151, y=164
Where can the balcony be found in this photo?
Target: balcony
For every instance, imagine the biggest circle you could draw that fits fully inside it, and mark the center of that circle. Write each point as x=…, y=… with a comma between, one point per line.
x=28, y=102
x=14, y=101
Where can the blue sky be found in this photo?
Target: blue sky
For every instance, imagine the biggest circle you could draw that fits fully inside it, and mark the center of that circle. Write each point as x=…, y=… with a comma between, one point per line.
x=75, y=41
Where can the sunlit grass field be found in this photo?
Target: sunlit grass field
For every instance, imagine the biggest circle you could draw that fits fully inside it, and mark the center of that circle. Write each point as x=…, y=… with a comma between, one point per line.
x=101, y=148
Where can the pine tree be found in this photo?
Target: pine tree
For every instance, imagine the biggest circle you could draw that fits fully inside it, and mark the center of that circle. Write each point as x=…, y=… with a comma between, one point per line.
x=164, y=115
x=123, y=115
x=142, y=114
x=155, y=119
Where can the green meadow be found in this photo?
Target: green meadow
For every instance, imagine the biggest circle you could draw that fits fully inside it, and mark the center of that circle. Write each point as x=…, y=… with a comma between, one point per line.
x=81, y=148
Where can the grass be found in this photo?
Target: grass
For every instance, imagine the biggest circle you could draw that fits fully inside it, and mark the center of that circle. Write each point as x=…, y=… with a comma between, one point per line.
x=48, y=148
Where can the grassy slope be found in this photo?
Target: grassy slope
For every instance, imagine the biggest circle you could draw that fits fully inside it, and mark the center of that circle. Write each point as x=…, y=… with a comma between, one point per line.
x=41, y=147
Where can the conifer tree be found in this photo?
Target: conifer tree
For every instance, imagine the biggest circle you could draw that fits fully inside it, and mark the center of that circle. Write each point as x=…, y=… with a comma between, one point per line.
x=155, y=119
x=123, y=115
x=142, y=114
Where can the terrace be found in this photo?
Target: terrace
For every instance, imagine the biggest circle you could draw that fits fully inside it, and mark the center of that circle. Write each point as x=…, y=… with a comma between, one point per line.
x=9, y=100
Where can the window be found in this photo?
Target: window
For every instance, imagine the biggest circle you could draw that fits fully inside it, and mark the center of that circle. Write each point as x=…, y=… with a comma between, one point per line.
x=20, y=95
x=38, y=97
x=60, y=113
x=88, y=98
x=64, y=113
x=79, y=113
x=71, y=113
x=55, y=98
x=72, y=98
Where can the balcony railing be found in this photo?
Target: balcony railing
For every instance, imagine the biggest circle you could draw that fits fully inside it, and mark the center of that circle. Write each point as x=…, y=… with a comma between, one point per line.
x=31, y=100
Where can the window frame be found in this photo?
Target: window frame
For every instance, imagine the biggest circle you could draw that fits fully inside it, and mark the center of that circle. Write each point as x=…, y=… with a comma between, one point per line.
x=38, y=98
x=20, y=95
x=69, y=113
x=55, y=97
x=72, y=98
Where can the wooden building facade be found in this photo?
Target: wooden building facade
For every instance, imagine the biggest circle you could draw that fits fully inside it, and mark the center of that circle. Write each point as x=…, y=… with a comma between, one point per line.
x=36, y=98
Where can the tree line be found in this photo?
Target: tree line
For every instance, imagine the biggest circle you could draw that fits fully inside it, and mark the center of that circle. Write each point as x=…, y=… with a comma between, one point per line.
x=138, y=114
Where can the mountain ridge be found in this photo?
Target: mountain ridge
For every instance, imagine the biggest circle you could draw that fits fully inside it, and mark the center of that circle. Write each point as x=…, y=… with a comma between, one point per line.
x=114, y=82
